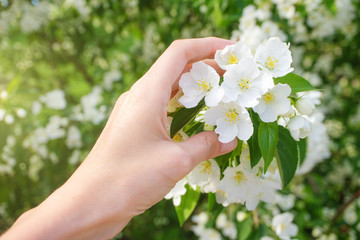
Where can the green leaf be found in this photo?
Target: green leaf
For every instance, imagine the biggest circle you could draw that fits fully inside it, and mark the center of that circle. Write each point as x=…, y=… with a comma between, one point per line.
x=183, y=116
x=302, y=145
x=244, y=229
x=255, y=153
x=13, y=86
x=268, y=139
x=297, y=83
x=287, y=155
x=188, y=204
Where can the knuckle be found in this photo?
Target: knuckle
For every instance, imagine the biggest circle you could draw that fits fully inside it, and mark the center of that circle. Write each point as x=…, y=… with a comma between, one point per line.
x=182, y=159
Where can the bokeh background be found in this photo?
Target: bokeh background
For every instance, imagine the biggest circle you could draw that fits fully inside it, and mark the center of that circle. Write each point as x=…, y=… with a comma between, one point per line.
x=63, y=64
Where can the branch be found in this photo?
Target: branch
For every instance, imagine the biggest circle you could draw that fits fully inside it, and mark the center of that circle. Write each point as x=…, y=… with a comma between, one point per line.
x=345, y=205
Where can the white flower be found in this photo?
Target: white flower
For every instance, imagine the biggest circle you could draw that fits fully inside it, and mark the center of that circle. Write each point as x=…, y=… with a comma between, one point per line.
x=266, y=238
x=36, y=108
x=241, y=216
x=4, y=94
x=178, y=190
x=201, y=81
x=228, y=227
x=244, y=83
x=75, y=157
x=232, y=54
x=21, y=113
x=304, y=106
x=285, y=202
x=231, y=121
x=9, y=119
x=174, y=102
x=210, y=234
x=111, y=77
x=73, y=139
x=54, y=99
x=221, y=198
x=299, y=127
x=234, y=183
x=275, y=56
x=206, y=175
x=2, y=114
x=274, y=103
x=283, y=226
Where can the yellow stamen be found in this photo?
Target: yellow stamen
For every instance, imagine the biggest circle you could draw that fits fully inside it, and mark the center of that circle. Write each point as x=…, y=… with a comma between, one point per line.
x=268, y=98
x=203, y=85
x=206, y=167
x=232, y=117
x=233, y=59
x=244, y=84
x=239, y=177
x=271, y=63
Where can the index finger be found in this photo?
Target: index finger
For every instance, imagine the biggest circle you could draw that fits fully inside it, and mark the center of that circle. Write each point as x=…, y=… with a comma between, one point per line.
x=171, y=63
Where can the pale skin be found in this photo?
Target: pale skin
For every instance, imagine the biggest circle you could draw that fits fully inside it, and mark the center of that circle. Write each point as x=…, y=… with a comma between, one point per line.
x=134, y=163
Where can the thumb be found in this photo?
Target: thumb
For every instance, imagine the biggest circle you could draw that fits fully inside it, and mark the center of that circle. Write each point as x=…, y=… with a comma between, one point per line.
x=206, y=145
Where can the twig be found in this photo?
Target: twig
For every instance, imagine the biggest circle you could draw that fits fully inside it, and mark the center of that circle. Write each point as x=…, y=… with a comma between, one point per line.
x=345, y=205
x=256, y=218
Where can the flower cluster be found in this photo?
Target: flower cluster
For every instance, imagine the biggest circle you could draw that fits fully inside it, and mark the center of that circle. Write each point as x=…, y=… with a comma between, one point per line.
x=248, y=83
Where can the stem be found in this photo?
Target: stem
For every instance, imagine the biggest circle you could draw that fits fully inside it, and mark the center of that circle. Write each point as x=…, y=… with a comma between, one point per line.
x=256, y=218
x=345, y=205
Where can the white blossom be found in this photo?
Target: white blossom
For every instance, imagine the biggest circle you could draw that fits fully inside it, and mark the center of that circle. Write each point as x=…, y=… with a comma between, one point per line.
x=21, y=113
x=244, y=83
x=54, y=99
x=283, y=226
x=111, y=77
x=201, y=81
x=299, y=127
x=178, y=190
x=73, y=139
x=210, y=234
x=275, y=56
x=231, y=121
x=274, y=103
x=304, y=106
x=206, y=175
x=232, y=54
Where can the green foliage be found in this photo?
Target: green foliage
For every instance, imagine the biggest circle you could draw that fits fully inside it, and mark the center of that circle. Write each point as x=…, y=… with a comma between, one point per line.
x=183, y=116
x=287, y=156
x=297, y=83
x=188, y=203
x=253, y=142
x=268, y=139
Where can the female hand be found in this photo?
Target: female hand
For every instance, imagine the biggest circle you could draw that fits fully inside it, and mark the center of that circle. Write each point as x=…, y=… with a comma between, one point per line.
x=134, y=163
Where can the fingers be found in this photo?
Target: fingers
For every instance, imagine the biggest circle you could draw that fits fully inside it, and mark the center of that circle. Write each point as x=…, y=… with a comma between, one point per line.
x=204, y=146
x=181, y=52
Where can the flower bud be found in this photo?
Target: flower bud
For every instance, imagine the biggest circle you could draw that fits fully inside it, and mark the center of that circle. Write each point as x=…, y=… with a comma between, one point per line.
x=305, y=106
x=299, y=127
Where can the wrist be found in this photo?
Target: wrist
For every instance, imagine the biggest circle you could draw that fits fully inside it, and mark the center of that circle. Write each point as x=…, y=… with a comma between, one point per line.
x=74, y=211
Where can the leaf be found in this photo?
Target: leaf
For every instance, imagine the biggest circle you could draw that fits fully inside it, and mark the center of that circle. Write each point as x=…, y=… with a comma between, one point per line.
x=302, y=145
x=244, y=229
x=297, y=83
x=188, y=204
x=268, y=139
x=287, y=155
x=183, y=116
x=13, y=86
x=255, y=153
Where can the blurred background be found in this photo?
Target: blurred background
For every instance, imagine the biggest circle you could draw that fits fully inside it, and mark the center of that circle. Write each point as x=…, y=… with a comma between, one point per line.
x=63, y=64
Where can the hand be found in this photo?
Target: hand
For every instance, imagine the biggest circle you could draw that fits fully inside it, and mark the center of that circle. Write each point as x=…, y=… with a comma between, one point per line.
x=134, y=163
